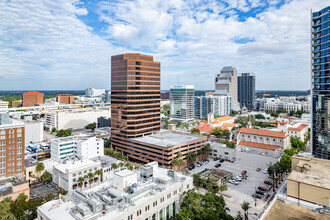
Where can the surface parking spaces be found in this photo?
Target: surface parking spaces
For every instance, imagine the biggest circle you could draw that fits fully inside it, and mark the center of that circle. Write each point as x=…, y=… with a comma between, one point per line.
x=43, y=189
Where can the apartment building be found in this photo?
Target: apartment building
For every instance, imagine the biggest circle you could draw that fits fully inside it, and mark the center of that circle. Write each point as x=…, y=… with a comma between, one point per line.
x=66, y=174
x=182, y=103
x=218, y=105
x=246, y=86
x=297, y=130
x=153, y=193
x=3, y=104
x=12, y=187
x=65, y=99
x=264, y=139
x=82, y=146
x=91, y=92
x=74, y=118
x=135, y=98
x=32, y=98
x=12, y=143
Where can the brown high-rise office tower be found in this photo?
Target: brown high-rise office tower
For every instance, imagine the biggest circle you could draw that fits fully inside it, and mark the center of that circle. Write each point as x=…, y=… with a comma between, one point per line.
x=135, y=98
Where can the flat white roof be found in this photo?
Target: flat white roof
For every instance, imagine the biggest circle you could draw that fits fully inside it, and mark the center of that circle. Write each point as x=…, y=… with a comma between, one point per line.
x=76, y=165
x=124, y=173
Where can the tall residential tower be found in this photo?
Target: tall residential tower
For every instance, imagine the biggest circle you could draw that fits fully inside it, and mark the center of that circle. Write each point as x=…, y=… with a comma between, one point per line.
x=246, y=90
x=321, y=83
x=135, y=98
x=226, y=84
x=182, y=103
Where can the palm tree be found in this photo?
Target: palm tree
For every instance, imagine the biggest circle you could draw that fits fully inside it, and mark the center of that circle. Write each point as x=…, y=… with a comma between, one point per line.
x=181, y=163
x=90, y=176
x=45, y=176
x=99, y=173
x=114, y=166
x=277, y=171
x=81, y=181
x=207, y=149
x=121, y=164
x=39, y=168
x=130, y=167
x=137, y=166
x=179, y=155
x=271, y=172
x=246, y=206
x=175, y=162
x=191, y=156
x=127, y=164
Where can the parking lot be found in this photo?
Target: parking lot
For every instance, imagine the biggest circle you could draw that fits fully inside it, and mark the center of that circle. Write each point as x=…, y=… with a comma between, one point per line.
x=237, y=194
x=43, y=189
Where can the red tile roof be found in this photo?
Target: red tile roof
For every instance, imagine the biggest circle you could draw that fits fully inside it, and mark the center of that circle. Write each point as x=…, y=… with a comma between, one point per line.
x=299, y=128
x=203, y=122
x=229, y=124
x=64, y=95
x=32, y=92
x=205, y=128
x=283, y=122
x=278, y=134
x=225, y=118
x=258, y=145
x=215, y=122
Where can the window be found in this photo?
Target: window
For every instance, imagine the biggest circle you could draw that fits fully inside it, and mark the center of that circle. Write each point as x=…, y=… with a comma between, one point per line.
x=187, y=186
x=138, y=213
x=74, y=175
x=19, y=167
x=175, y=192
x=19, y=140
x=255, y=137
x=260, y=138
x=273, y=139
x=147, y=208
x=79, y=173
x=154, y=203
x=19, y=146
x=169, y=196
x=168, y=212
x=173, y=208
x=162, y=200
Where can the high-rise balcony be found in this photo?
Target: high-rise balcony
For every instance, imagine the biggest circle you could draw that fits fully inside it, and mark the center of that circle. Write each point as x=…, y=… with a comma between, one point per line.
x=316, y=63
x=317, y=30
x=316, y=50
x=317, y=23
x=316, y=37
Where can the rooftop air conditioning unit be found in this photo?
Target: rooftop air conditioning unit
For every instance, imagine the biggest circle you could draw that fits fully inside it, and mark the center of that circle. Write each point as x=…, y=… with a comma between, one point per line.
x=170, y=173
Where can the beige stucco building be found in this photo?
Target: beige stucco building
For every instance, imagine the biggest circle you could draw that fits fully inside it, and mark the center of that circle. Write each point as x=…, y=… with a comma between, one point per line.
x=309, y=180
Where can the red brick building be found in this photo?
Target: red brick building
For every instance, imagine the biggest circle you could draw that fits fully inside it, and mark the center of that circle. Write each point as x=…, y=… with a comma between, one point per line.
x=32, y=98
x=65, y=99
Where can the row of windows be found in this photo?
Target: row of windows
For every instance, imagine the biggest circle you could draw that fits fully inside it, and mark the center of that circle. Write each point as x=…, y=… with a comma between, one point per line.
x=254, y=137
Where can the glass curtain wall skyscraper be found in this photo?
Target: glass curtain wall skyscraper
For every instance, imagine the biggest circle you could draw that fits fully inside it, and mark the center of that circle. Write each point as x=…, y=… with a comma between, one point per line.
x=246, y=90
x=321, y=83
x=182, y=103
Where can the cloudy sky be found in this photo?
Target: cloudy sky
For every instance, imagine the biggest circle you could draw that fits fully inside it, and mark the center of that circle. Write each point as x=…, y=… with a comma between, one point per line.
x=68, y=44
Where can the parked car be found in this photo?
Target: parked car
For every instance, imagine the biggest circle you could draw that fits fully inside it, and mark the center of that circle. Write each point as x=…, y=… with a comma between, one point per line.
x=222, y=160
x=256, y=196
x=218, y=165
x=237, y=179
x=268, y=182
x=34, y=196
x=233, y=182
x=190, y=168
x=260, y=192
x=258, y=169
x=197, y=165
x=265, y=171
x=262, y=188
x=215, y=159
x=243, y=172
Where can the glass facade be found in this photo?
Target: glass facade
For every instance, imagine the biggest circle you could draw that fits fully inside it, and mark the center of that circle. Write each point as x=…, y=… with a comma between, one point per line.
x=182, y=103
x=246, y=90
x=321, y=83
x=219, y=105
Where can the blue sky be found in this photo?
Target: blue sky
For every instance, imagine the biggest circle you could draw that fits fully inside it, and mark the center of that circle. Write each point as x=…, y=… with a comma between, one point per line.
x=68, y=44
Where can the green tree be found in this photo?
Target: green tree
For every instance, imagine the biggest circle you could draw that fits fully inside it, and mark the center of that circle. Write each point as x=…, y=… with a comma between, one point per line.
x=90, y=177
x=130, y=167
x=54, y=130
x=206, y=149
x=45, y=176
x=181, y=164
x=63, y=133
x=242, y=121
x=191, y=156
x=298, y=144
x=114, y=166
x=217, y=132
x=39, y=168
x=19, y=207
x=121, y=164
x=271, y=172
x=5, y=212
x=274, y=114
x=91, y=126
x=81, y=181
x=259, y=116
x=107, y=143
x=175, y=162
x=226, y=134
x=195, y=131
x=223, y=187
x=99, y=173
x=246, y=206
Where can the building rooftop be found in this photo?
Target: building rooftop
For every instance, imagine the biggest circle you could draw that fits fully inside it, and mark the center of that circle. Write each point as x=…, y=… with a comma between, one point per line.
x=73, y=138
x=165, y=138
x=259, y=145
x=73, y=165
x=106, y=202
x=32, y=92
x=297, y=127
x=315, y=172
x=261, y=151
x=262, y=132
x=228, y=68
x=7, y=185
x=224, y=118
x=124, y=173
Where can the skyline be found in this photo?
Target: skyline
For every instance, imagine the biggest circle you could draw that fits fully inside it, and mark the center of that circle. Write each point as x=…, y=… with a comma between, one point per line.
x=58, y=44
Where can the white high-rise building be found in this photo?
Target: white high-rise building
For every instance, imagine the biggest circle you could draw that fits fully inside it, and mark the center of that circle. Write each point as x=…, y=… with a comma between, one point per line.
x=218, y=105
x=81, y=146
x=91, y=92
x=226, y=85
x=182, y=103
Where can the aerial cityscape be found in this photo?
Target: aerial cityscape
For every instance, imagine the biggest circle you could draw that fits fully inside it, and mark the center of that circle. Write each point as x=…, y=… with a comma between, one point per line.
x=164, y=110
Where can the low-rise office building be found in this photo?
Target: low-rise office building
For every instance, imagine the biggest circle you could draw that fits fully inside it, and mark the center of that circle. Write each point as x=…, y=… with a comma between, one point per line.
x=65, y=99
x=66, y=174
x=74, y=118
x=297, y=130
x=264, y=139
x=34, y=132
x=12, y=187
x=162, y=146
x=3, y=104
x=82, y=146
x=16, y=104
x=150, y=193
x=309, y=181
x=32, y=98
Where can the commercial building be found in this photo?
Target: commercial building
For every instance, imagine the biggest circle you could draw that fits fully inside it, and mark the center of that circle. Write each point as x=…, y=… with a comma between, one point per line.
x=16, y=104
x=3, y=104
x=151, y=193
x=34, y=132
x=74, y=118
x=12, y=187
x=309, y=181
x=106, y=97
x=264, y=139
x=219, y=105
x=162, y=146
x=164, y=95
x=12, y=140
x=91, y=92
x=246, y=90
x=320, y=83
x=32, y=98
x=66, y=174
x=103, y=122
x=65, y=99
x=135, y=97
x=82, y=146
x=182, y=103
x=226, y=85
